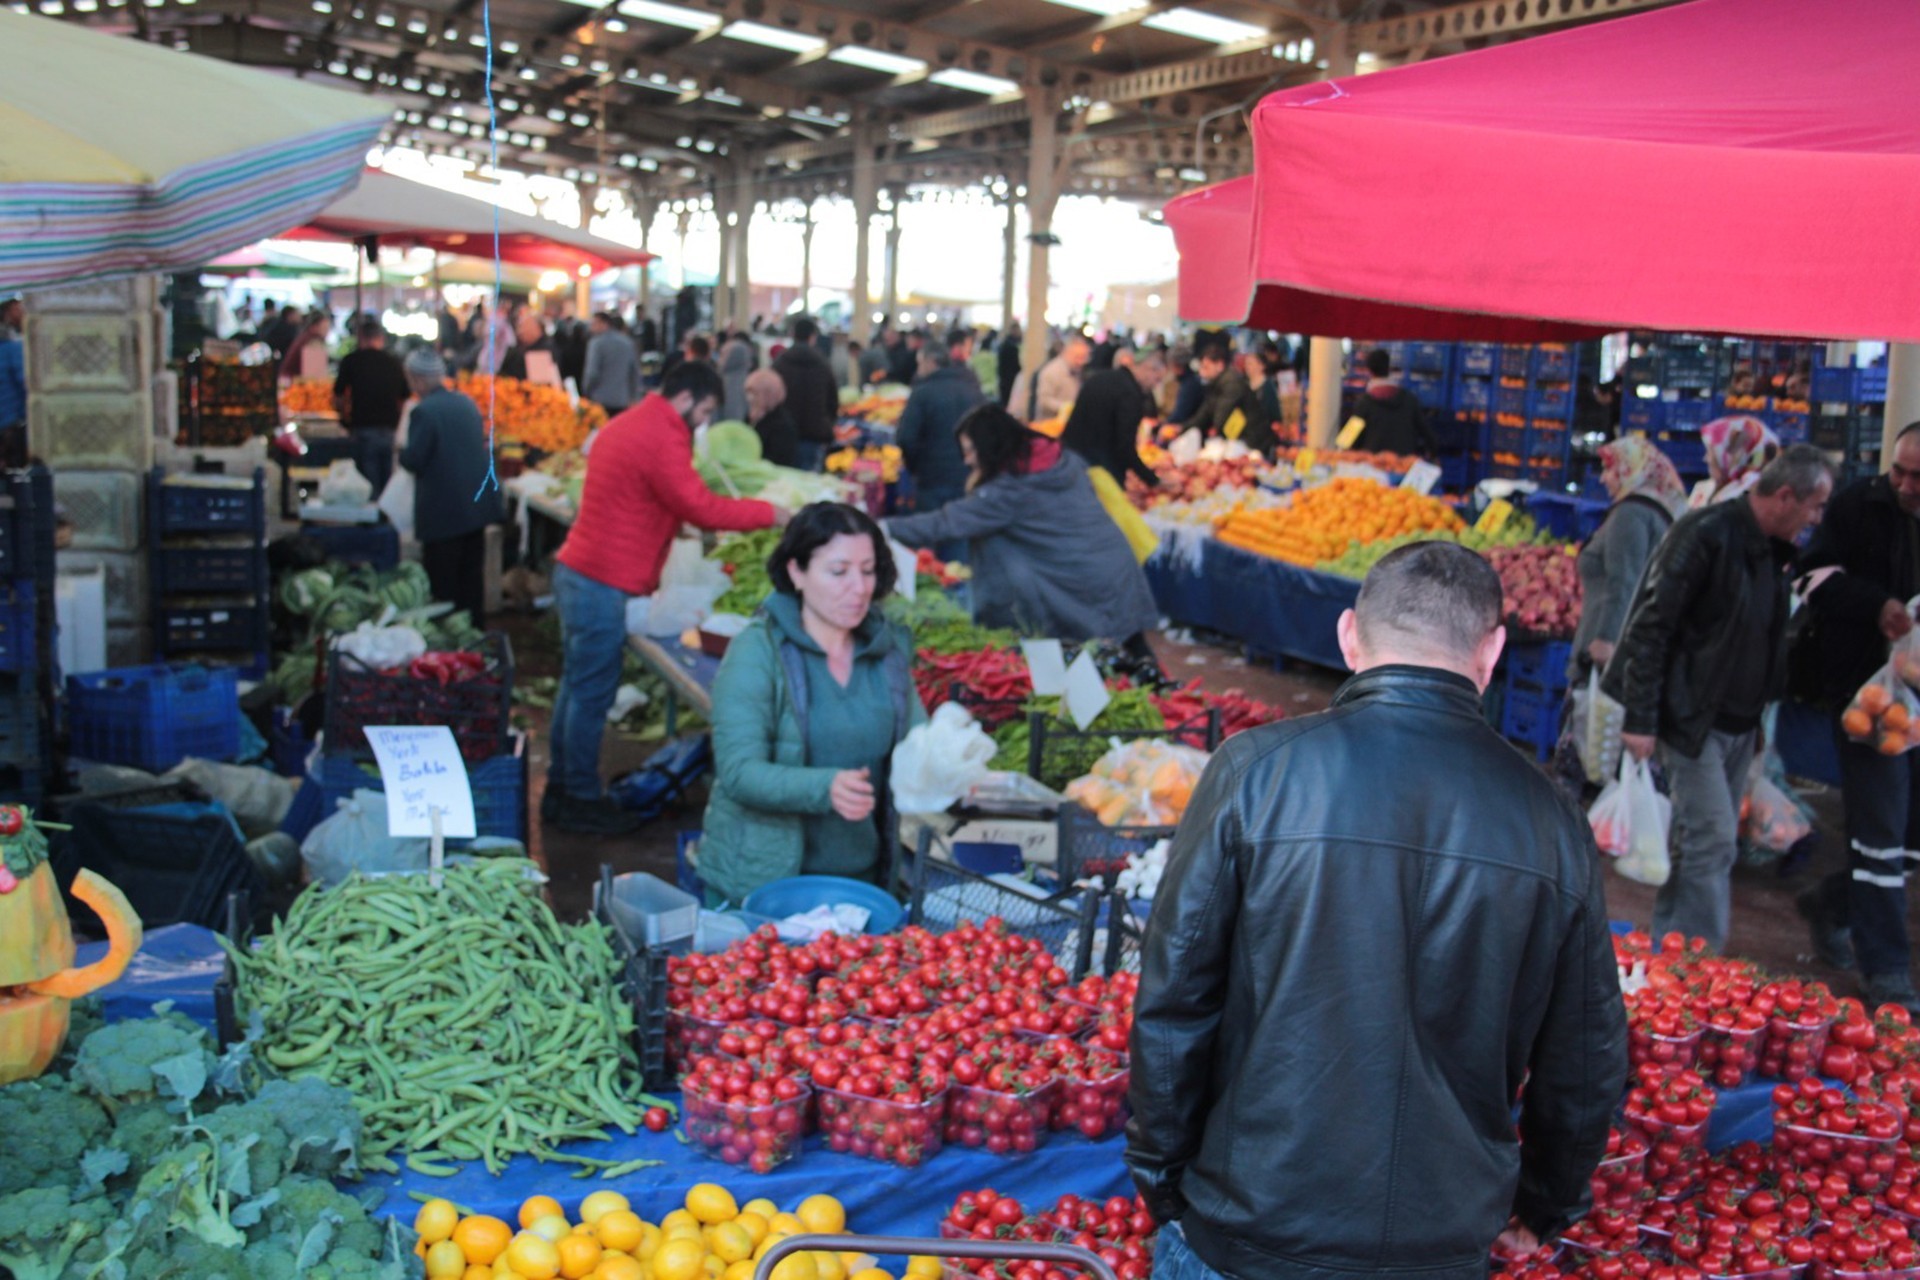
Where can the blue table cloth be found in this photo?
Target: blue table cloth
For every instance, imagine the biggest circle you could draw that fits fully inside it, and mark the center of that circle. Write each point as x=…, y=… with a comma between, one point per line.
x=1275, y=608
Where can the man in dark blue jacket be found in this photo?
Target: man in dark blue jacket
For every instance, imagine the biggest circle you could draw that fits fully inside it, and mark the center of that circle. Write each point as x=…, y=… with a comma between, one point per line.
x=446, y=451
x=944, y=393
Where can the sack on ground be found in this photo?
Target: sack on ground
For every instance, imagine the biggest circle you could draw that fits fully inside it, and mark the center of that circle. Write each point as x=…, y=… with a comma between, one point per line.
x=354, y=838
x=1630, y=821
x=938, y=761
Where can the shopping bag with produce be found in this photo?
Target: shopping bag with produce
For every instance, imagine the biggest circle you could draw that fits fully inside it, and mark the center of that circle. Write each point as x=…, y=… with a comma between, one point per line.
x=1599, y=741
x=1884, y=713
x=940, y=760
x=1144, y=783
x=1772, y=820
x=1630, y=821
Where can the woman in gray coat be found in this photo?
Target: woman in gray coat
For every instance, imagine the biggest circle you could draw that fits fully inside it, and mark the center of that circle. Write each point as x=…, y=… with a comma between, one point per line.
x=1047, y=558
x=737, y=359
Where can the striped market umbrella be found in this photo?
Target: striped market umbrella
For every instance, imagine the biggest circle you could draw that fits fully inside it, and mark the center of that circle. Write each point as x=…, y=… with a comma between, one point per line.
x=119, y=157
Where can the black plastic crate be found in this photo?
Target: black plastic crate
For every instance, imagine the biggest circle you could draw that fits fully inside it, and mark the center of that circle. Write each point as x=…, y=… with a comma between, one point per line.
x=218, y=626
x=209, y=569
x=941, y=895
x=27, y=524
x=203, y=508
x=478, y=710
x=643, y=980
x=375, y=545
x=175, y=862
x=1202, y=732
x=22, y=731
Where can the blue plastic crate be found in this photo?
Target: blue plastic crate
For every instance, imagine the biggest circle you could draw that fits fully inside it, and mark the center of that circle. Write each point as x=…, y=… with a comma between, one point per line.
x=190, y=508
x=1691, y=415
x=1429, y=391
x=1472, y=393
x=1456, y=472
x=1565, y=516
x=499, y=791
x=221, y=626
x=1478, y=358
x=1510, y=440
x=1848, y=385
x=26, y=524
x=1548, y=441
x=1510, y=400
x=154, y=717
x=22, y=743
x=1643, y=415
x=210, y=570
x=1428, y=357
x=1531, y=717
x=1790, y=427
x=374, y=545
x=18, y=615
x=1515, y=361
x=1539, y=665
x=1552, y=363
x=1551, y=402
x=1504, y=471
x=1687, y=452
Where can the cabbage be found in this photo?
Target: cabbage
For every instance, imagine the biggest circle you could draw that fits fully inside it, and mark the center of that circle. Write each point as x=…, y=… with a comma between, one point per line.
x=732, y=444
x=849, y=395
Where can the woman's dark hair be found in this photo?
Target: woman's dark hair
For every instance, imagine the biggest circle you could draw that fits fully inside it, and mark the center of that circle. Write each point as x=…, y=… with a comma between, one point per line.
x=819, y=523
x=1000, y=440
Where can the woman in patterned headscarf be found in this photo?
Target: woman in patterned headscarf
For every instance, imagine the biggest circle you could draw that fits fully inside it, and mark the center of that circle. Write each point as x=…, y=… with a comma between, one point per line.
x=1738, y=450
x=1647, y=498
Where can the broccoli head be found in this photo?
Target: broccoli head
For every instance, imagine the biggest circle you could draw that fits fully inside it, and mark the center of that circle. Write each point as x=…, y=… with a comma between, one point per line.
x=144, y=1058
x=321, y=1123
x=42, y=1228
x=47, y=1126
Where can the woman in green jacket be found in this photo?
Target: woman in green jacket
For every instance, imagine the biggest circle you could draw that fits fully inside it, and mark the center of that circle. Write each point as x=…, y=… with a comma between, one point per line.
x=808, y=705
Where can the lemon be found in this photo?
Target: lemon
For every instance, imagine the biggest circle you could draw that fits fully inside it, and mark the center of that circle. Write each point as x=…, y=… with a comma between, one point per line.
x=553, y=1228
x=870, y=1273
x=601, y=1203
x=797, y=1266
x=742, y=1270
x=680, y=1259
x=533, y=1257
x=755, y=1224
x=677, y=1218
x=686, y=1231
x=534, y=1208
x=828, y=1266
x=760, y=1205
x=619, y=1267
x=716, y=1269
x=922, y=1267
x=785, y=1224
x=731, y=1242
x=822, y=1215
x=445, y=1261
x=435, y=1221
x=710, y=1202
x=620, y=1229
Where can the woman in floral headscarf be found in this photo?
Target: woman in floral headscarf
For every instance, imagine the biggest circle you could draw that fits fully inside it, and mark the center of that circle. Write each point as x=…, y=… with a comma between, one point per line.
x=1738, y=450
x=1647, y=498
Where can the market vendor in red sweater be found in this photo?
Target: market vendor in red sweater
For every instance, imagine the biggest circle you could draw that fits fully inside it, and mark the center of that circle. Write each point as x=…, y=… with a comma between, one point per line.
x=640, y=489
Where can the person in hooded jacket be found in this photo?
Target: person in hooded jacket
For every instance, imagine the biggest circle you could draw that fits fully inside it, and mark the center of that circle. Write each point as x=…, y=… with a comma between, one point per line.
x=808, y=705
x=1395, y=423
x=1047, y=558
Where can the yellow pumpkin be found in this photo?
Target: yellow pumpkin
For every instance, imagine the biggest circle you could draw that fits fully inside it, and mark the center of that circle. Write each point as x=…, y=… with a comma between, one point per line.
x=36, y=964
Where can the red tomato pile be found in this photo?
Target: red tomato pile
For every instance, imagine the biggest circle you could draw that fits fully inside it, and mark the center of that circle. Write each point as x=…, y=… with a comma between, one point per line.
x=902, y=1044
x=1119, y=1230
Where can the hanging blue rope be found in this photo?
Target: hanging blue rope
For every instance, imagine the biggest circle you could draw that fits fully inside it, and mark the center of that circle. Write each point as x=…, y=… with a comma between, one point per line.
x=493, y=311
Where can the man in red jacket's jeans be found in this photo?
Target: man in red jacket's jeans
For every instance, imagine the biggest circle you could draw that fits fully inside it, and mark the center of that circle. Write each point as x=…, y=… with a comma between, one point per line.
x=640, y=488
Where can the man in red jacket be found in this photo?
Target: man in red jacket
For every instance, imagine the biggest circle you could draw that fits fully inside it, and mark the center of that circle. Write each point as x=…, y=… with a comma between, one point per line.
x=641, y=487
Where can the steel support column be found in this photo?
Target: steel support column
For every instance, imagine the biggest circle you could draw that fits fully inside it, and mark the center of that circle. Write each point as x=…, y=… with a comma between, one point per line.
x=1009, y=262
x=1325, y=367
x=866, y=194
x=890, y=291
x=1043, y=193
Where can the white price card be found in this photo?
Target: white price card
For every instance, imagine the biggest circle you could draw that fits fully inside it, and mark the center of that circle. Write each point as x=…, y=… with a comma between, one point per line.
x=1421, y=477
x=1047, y=665
x=906, y=568
x=423, y=771
x=1087, y=694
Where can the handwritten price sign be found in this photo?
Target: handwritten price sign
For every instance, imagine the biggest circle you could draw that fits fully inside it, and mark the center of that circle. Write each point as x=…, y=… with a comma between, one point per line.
x=423, y=771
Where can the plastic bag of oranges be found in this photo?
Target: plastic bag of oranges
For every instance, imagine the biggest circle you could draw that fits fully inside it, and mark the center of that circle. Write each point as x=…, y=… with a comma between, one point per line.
x=1884, y=713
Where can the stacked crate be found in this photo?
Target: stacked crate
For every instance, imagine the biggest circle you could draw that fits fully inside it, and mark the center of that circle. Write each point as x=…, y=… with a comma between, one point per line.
x=1849, y=417
x=29, y=675
x=207, y=540
x=91, y=371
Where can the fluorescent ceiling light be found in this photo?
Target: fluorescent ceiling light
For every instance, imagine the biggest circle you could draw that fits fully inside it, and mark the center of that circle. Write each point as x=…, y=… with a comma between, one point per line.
x=972, y=81
x=1105, y=8
x=773, y=37
x=893, y=64
x=1203, y=26
x=669, y=15
x=589, y=4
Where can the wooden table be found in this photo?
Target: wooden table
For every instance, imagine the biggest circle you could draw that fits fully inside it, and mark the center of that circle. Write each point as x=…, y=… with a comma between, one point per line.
x=688, y=672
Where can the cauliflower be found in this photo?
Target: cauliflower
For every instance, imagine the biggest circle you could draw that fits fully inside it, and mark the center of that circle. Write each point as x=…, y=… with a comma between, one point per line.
x=47, y=1126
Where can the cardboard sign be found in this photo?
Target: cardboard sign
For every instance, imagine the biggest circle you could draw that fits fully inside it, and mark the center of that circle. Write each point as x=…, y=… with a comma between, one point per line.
x=1421, y=477
x=1047, y=665
x=426, y=780
x=1350, y=432
x=542, y=368
x=1495, y=517
x=313, y=362
x=1086, y=696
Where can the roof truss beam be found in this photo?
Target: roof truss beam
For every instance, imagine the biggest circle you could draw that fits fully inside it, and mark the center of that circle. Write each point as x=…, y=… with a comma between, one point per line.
x=1480, y=19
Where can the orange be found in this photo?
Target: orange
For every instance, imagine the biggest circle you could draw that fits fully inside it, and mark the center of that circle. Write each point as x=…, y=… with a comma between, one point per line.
x=535, y=1208
x=1893, y=744
x=477, y=1272
x=1872, y=699
x=1856, y=723
x=620, y=1229
x=1896, y=718
x=579, y=1255
x=532, y=1257
x=482, y=1239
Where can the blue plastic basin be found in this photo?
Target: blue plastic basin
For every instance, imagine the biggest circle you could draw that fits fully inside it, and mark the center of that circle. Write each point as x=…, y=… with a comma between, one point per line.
x=798, y=894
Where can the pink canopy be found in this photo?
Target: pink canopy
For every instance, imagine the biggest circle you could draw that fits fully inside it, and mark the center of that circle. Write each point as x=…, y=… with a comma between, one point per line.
x=1724, y=166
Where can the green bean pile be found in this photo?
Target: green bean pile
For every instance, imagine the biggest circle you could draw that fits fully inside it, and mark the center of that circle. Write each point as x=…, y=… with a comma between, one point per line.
x=468, y=1023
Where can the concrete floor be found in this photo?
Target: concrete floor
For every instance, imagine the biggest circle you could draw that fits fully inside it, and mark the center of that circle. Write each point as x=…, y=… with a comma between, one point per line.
x=1766, y=927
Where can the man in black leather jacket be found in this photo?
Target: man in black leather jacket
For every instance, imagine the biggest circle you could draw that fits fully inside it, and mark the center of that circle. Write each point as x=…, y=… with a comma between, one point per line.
x=1872, y=536
x=1703, y=653
x=1344, y=989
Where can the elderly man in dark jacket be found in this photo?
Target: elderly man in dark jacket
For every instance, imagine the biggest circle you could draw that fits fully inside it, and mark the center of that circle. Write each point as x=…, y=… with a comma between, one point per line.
x=812, y=397
x=1339, y=1001
x=1872, y=537
x=1104, y=427
x=945, y=393
x=446, y=451
x=1702, y=656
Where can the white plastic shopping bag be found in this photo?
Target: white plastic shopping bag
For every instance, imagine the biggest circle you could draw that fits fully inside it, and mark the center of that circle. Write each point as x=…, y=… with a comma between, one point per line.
x=1630, y=821
x=1599, y=741
x=689, y=584
x=396, y=501
x=940, y=760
